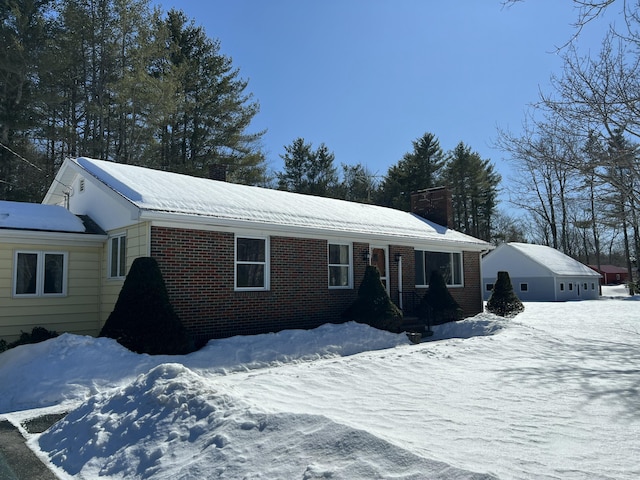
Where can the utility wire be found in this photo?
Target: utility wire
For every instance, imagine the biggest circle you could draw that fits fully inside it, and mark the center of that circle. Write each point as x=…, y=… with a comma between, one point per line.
x=21, y=157
x=31, y=164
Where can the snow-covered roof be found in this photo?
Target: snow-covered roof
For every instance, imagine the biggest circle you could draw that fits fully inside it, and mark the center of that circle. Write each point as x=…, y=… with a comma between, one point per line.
x=556, y=261
x=171, y=193
x=35, y=216
x=609, y=268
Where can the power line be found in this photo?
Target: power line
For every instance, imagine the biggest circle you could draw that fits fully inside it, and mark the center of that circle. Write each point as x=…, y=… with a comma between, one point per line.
x=31, y=164
x=21, y=157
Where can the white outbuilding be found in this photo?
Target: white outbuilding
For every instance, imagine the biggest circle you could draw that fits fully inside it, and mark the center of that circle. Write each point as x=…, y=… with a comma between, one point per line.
x=539, y=273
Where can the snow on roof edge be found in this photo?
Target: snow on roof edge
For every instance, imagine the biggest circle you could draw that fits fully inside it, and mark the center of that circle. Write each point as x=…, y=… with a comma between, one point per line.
x=532, y=251
x=261, y=206
x=39, y=217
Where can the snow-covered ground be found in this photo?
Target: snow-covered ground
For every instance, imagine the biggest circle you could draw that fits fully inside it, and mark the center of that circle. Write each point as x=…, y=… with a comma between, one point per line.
x=549, y=394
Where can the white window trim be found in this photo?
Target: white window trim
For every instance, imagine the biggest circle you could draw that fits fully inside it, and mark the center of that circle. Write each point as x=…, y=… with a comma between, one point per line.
x=40, y=269
x=349, y=265
x=267, y=264
x=109, y=260
x=461, y=285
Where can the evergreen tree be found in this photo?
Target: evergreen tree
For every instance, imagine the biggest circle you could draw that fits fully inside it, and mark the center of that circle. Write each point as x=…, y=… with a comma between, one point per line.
x=474, y=187
x=114, y=80
x=308, y=171
x=373, y=305
x=503, y=300
x=143, y=319
x=296, y=160
x=207, y=121
x=417, y=170
x=438, y=304
x=358, y=184
x=24, y=27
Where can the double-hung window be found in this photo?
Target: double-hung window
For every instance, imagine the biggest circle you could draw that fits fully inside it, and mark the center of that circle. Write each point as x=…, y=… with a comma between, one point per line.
x=340, y=265
x=252, y=263
x=39, y=274
x=118, y=256
x=449, y=264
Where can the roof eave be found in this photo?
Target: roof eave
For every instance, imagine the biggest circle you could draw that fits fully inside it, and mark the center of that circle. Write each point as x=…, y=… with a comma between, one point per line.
x=184, y=219
x=38, y=236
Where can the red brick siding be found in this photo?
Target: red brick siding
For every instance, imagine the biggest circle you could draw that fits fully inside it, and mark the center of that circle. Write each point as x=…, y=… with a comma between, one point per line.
x=469, y=297
x=198, y=270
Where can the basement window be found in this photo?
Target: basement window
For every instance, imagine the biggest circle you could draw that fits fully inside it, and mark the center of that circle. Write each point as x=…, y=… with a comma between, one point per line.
x=524, y=287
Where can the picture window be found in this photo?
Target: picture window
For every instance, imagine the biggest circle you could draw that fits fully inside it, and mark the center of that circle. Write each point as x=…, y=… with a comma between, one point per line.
x=448, y=264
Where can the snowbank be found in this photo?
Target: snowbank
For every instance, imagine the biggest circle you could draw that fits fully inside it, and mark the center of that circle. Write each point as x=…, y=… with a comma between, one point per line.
x=172, y=423
x=71, y=368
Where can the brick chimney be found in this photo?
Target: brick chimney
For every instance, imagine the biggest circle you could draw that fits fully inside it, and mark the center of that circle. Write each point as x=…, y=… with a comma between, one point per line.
x=218, y=171
x=434, y=204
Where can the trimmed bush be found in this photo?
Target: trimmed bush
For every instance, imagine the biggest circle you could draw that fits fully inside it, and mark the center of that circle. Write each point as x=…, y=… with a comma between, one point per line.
x=143, y=319
x=37, y=335
x=438, y=304
x=503, y=300
x=373, y=305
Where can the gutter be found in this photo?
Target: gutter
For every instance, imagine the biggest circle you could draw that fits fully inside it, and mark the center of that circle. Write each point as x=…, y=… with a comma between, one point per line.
x=170, y=219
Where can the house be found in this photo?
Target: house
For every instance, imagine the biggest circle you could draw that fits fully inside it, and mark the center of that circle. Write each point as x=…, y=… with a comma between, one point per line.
x=238, y=259
x=539, y=273
x=612, y=275
x=50, y=270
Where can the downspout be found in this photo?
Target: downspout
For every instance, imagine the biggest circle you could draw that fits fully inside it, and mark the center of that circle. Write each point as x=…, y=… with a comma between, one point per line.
x=481, y=274
x=400, y=303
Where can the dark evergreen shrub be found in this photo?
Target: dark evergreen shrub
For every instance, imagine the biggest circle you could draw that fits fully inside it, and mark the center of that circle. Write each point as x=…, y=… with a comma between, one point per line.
x=143, y=319
x=37, y=335
x=373, y=305
x=437, y=304
x=503, y=300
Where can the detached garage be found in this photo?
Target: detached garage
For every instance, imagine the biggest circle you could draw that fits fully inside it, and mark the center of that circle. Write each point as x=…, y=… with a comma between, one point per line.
x=539, y=273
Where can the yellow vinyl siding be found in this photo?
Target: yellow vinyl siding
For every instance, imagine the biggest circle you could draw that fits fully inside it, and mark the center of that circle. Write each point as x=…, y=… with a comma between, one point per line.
x=76, y=312
x=137, y=246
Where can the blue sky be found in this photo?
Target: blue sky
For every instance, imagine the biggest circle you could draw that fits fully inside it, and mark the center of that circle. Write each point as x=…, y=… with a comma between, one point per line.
x=367, y=77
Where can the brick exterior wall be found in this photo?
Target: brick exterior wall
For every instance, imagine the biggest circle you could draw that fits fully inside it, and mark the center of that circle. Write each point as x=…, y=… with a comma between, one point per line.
x=470, y=297
x=198, y=270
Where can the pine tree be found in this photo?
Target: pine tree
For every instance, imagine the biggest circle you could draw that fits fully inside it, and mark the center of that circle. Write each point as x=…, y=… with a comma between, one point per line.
x=474, y=187
x=308, y=171
x=417, y=170
x=503, y=300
